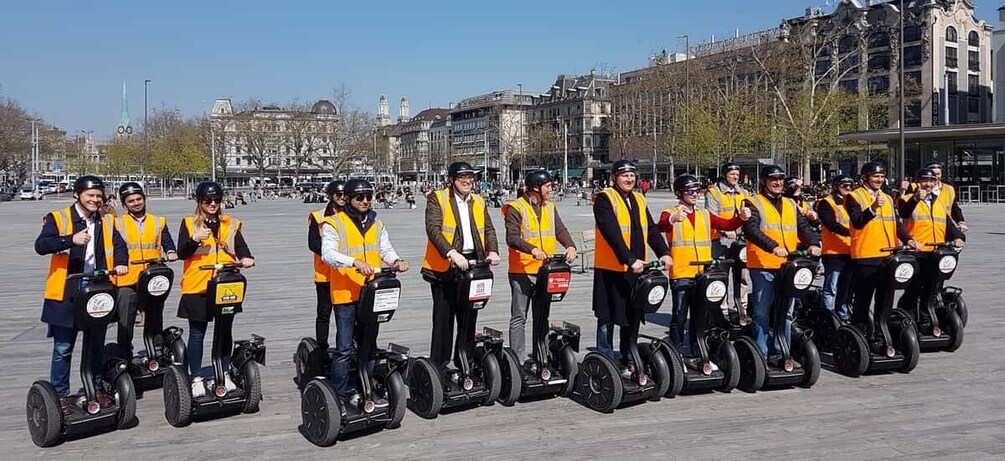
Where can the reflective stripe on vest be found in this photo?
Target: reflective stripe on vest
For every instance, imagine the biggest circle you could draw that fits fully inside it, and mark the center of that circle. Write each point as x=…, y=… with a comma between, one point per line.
x=690, y=243
x=321, y=269
x=59, y=263
x=210, y=251
x=727, y=204
x=834, y=244
x=880, y=232
x=538, y=231
x=142, y=246
x=346, y=283
x=433, y=260
x=927, y=224
x=605, y=257
x=781, y=228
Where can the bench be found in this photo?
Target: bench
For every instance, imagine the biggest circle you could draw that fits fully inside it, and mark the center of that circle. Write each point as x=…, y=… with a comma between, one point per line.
x=585, y=246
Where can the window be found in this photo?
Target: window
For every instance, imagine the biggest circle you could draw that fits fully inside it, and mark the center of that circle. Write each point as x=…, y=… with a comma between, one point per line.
x=951, y=34
x=824, y=51
x=912, y=117
x=973, y=84
x=973, y=39
x=953, y=81
x=847, y=43
x=912, y=83
x=879, y=84
x=849, y=65
x=823, y=66
x=879, y=40
x=951, y=57
x=879, y=61
x=850, y=86
x=879, y=117
x=973, y=105
x=237, y=161
x=973, y=60
x=912, y=33
x=912, y=56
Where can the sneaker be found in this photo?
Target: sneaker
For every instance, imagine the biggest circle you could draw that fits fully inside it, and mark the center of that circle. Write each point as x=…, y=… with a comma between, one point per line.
x=229, y=384
x=714, y=366
x=140, y=319
x=379, y=402
x=628, y=373
x=355, y=400
x=103, y=400
x=198, y=387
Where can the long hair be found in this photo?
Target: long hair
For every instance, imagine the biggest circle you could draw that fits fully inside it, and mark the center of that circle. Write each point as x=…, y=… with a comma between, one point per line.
x=200, y=216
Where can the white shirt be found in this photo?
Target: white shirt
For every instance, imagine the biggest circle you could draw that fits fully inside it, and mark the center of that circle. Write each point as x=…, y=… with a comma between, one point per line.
x=464, y=218
x=89, y=250
x=332, y=257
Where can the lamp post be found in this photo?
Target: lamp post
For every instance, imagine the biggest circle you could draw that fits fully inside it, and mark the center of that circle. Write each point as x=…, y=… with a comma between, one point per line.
x=900, y=64
x=146, y=153
x=34, y=154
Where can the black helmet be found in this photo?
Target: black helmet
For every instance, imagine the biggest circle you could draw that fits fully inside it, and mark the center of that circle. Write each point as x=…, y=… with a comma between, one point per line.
x=130, y=188
x=727, y=167
x=934, y=166
x=208, y=189
x=88, y=182
x=872, y=168
x=925, y=173
x=790, y=181
x=842, y=179
x=335, y=187
x=771, y=171
x=685, y=182
x=458, y=168
x=354, y=187
x=537, y=179
x=623, y=166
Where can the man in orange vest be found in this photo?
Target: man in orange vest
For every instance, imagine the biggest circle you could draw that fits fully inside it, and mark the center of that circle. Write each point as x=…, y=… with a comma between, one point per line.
x=335, y=191
x=945, y=192
x=624, y=227
x=147, y=237
x=458, y=229
x=723, y=199
x=925, y=217
x=533, y=232
x=354, y=243
x=79, y=240
x=874, y=226
x=836, y=239
x=689, y=233
x=775, y=229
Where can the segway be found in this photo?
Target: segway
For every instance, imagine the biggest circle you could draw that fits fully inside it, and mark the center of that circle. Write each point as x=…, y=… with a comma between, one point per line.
x=600, y=383
x=939, y=328
x=554, y=368
x=797, y=363
x=325, y=414
x=739, y=319
x=709, y=338
x=161, y=346
x=236, y=383
x=93, y=307
x=479, y=378
x=890, y=341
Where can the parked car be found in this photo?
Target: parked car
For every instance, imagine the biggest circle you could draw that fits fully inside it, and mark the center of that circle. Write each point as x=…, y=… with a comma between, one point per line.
x=28, y=194
x=6, y=196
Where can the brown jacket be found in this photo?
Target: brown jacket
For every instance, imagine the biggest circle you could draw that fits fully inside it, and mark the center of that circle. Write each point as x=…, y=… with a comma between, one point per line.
x=434, y=229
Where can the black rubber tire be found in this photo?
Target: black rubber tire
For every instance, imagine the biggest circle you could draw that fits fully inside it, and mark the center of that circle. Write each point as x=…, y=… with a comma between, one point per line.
x=600, y=383
x=302, y=360
x=512, y=379
x=177, y=397
x=179, y=353
x=125, y=400
x=954, y=301
x=45, y=417
x=752, y=369
x=851, y=352
x=397, y=398
x=251, y=382
x=824, y=325
x=657, y=369
x=809, y=358
x=953, y=326
x=570, y=369
x=492, y=376
x=320, y=413
x=677, y=370
x=425, y=389
x=907, y=344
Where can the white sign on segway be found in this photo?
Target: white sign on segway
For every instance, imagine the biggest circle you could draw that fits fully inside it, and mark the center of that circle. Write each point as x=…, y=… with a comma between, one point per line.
x=386, y=300
x=100, y=305
x=656, y=295
x=947, y=264
x=715, y=291
x=480, y=289
x=158, y=285
x=802, y=279
x=904, y=272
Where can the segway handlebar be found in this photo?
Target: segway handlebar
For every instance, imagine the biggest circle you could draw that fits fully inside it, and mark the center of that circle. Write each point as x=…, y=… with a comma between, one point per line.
x=714, y=262
x=221, y=266
x=898, y=249
x=158, y=260
x=800, y=254
x=555, y=257
x=941, y=245
x=657, y=264
x=90, y=275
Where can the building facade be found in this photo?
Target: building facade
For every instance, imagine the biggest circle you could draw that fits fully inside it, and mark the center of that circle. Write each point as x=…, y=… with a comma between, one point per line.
x=414, y=161
x=488, y=131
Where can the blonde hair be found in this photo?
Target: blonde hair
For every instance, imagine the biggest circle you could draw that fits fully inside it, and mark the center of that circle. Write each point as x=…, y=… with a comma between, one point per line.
x=199, y=216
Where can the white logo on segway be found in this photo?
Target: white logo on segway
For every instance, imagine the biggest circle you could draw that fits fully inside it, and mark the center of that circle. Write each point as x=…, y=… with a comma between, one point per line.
x=715, y=291
x=386, y=300
x=947, y=264
x=802, y=279
x=743, y=255
x=656, y=295
x=100, y=305
x=158, y=285
x=904, y=272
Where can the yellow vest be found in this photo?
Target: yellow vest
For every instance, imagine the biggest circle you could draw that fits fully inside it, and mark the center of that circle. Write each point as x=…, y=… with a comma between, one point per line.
x=145, y=245
x=927, y=224
x=727, y=204
x=321, y=269
x=690, y=243
x=538, y=231
x=433, y=260
x=782, y=228
x=210, y=251
x=59, y=263
x=605, y=257
x=346, y=283
x=879, y=233
x=834, y=244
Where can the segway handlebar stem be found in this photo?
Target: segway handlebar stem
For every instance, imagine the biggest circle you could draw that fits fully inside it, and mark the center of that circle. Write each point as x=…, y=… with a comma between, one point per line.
x=89, y=275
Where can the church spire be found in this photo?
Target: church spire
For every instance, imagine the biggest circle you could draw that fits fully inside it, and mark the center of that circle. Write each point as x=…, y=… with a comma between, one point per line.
x=124, y=128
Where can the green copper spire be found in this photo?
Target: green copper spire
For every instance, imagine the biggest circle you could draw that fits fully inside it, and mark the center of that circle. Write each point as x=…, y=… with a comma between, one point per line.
x=124, y=128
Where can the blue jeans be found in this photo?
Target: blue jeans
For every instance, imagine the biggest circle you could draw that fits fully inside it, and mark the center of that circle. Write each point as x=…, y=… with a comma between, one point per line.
x=196, y=337
x=837, y=286
x=63, y=339
x=605, y=336
x=345, y=320
x=763, y=282
x=681, y=290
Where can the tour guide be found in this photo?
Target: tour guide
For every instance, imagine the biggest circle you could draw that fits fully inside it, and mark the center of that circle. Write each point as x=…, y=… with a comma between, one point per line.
x=623, y=227
x=335, y=191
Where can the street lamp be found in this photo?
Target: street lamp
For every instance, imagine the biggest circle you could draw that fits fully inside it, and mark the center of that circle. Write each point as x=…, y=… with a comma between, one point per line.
x=146, y=153
x=900, y=64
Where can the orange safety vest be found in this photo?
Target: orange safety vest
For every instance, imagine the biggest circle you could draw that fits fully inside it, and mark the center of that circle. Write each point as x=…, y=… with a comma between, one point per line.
x=690, y=243
x=782, y=228
x=947, y=195
x=878, y=233
x=834, y=244
x=210, y=251
x=538, y=231
x=59, y=263
x=345, y=282
x=605, y=257
x=728, y=204
x=145, y=245
x=927, y=224
x=436, y=262
x=321, y=269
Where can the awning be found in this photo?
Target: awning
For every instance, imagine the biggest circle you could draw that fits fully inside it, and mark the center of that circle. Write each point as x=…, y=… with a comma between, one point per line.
x=930, y=133
x=573, y=172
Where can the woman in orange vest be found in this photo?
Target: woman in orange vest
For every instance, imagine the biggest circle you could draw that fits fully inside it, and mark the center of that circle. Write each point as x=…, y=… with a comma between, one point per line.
x=689, y=233
x=836, y=237
x=794, y=190
x=335, y=191
x=207, y=237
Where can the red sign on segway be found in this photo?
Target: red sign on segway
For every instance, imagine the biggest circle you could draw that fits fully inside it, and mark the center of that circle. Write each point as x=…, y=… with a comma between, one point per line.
x=558, y=282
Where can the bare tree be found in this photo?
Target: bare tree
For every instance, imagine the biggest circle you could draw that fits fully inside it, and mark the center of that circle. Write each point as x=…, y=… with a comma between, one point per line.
x=352, y=133
x=15, y=139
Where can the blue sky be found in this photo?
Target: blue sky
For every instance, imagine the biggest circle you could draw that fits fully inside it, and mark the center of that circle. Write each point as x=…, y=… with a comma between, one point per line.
x=66, y=60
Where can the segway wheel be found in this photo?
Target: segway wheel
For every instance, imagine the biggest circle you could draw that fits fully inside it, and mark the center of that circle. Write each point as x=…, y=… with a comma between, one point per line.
x=750, y=370
x=954, y=301
x=908, y=345
x=824, y=325
x=657, y=368
x=396, y=397
x=125, y=400
x=492, y=376
x=178, y=353
x=425, y=389
x=177, y=397
x=809, y=358
x=953, y=326
x=251, y=382
x=512, y=379
x=570, y=369
x=45, y=417
x=321, y=413
x=851, y=352
x=302, y=361
x=677, y=370
x=600, y=383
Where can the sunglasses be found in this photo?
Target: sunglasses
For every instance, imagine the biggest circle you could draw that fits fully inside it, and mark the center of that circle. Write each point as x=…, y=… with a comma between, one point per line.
x=362, y=197
x=845, y=186
x=209, y=201
x=692, y=192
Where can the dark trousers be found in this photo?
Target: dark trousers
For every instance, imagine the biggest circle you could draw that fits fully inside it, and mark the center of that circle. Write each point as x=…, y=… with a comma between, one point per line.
x=323, y=320
x=445, y=313
x=919, y=289
x=869, y=290
x=127, y=301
